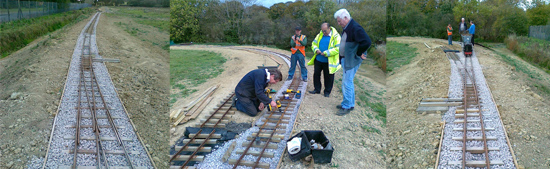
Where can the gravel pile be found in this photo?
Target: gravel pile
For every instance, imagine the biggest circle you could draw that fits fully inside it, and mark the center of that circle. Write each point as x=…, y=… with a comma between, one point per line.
x=57, y=157
x=490, y=116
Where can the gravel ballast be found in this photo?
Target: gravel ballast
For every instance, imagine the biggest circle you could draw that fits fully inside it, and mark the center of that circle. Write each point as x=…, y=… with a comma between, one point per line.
x=490, y=116
x=57, y=155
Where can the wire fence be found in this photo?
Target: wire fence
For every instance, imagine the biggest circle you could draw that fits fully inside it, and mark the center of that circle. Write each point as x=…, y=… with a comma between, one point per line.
x=12, y=10
x=540, y=32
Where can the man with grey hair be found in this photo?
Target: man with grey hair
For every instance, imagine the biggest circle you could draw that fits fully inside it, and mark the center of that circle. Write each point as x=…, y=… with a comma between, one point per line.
x=353, y=48
x=462, y=26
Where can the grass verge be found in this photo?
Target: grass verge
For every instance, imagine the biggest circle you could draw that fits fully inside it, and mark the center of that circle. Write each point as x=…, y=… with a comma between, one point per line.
x=534, y=51
x=536, y=79
x=18, y=34
x=399, y=54
x=191, y=68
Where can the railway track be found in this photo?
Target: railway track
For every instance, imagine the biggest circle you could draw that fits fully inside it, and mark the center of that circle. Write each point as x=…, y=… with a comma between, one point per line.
x=474, y=136
x=272, y=128
x=91, y=127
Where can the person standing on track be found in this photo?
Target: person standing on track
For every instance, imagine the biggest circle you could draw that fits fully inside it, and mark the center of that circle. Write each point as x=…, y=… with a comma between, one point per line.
x=326, y=58
x=298, y=43
x=250, y=97
x=472, y=31
x=462, y=27
x=353, y=48
x=450, y=33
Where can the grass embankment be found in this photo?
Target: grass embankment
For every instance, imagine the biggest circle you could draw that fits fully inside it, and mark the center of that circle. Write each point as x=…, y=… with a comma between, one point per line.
x=399, y=54
x=155, y=17
x=17, y=34
x=534, y=51
x=191, y=68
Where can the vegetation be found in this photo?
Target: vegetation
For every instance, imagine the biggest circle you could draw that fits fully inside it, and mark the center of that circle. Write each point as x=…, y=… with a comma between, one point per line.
x=535, y=51
x=243, y=22
x=17, y=34
x=494, y=19
x=191, y=68
x=368, y=98
x=142, y=3
x=156, y=17
x=399, y=54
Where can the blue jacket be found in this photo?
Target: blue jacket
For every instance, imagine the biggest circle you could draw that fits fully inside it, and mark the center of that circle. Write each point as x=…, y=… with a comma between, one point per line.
x=253, y=85
x=472, y=29
x=357, y=42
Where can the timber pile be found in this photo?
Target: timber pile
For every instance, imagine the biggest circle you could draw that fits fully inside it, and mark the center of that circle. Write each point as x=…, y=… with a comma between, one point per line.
x=193, y=109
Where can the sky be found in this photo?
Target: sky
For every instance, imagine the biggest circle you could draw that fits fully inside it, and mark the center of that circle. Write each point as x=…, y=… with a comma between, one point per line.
x=268, y=3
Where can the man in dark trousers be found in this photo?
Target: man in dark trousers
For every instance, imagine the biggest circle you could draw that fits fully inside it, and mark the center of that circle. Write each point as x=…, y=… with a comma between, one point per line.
x=353, y=48
x=250, y=97
x=298, y=44
x=472, y=30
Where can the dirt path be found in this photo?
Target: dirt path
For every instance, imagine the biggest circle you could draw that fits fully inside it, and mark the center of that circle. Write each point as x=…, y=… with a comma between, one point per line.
x=354, y=146
x=415, y=136
x=142, y=80
x=35, y=76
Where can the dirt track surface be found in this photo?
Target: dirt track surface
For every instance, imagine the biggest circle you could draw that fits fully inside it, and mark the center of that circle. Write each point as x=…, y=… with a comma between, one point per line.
x=415, y=137
x=355, y=147
x=36, y=74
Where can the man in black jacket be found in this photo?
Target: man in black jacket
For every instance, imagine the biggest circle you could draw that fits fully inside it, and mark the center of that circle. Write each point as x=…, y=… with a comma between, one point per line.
x=353, y=50
x=250, y=97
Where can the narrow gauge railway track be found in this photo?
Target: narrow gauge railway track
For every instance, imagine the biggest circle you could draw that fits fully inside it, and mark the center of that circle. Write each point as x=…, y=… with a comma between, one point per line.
x=92, y=103
x=92, y=129
x=272, y=127
x=469, y=121
x=217, y=119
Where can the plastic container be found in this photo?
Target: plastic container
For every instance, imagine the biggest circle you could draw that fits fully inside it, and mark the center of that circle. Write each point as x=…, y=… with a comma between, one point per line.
x=320, y=155
x=305, y=147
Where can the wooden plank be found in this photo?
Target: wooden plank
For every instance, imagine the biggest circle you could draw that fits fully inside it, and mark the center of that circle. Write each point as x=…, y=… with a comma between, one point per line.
x=469, y=115
x=199, y=141
x=470, y=121
x=473, y=129
x=205, y=135
x=194, y=148
x=179, y=167
x=90, y=126
x=256, y=153
x=117, y=152
x=439, y=104
x=275, y=121
x=276, y=116
x=211, y=125
x=275, y=140
x=248, y=163
x=469, y=110
x=101, y=117
x=280, y=126
x=432, y=109
x=441, y=100
x=476, y=150
x=228, y=152
x=186, y=157
x=474, y=138
x=213, y=120
x=478, y=164
x=440, y=142
x=267, y=135
x=261, y=145
x=102, y=138
x=194, y=113
x=231, y=112
x=201, y=107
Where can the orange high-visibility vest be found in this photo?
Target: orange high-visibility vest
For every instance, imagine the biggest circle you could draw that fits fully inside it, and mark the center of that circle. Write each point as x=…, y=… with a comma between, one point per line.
x=449, y=30
x=299, y=46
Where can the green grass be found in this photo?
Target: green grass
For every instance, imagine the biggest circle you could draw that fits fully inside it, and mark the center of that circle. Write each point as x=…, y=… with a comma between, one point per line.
x=371, y=129
x=156, y=17
x=18, y=34
x=536, y=78
x=399, y=54
x=191, y=68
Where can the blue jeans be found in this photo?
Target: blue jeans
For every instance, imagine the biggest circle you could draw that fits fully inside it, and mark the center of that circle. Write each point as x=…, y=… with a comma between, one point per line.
x=300, y=59
x=450, y=39
x=347, y=86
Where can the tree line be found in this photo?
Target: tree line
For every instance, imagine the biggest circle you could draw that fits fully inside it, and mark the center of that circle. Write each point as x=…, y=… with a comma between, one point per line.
x=494, y=19
x=246, y=22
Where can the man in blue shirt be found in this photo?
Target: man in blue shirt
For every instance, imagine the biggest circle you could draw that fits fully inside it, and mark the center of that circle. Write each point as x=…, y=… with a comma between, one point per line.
x=472, y=31
x=250, y=96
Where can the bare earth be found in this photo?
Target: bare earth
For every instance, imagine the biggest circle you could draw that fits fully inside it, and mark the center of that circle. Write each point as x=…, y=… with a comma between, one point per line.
x=38, y=71
x=354, y=147
x=414, y=138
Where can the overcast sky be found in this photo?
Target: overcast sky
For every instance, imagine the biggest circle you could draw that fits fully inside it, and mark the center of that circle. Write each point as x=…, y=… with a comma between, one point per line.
x=268, y=3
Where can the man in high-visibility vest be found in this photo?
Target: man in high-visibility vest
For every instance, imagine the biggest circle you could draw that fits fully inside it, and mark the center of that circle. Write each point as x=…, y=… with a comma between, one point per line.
x=326, y=58
x=450, y=34
x=298, y=43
